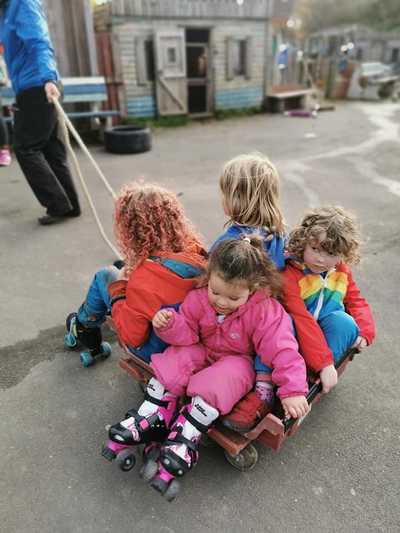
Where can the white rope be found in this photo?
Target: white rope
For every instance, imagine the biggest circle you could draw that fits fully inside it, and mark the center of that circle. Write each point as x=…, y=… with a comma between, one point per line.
x=67, y=125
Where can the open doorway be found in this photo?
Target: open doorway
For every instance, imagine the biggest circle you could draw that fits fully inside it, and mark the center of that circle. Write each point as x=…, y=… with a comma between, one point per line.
x=198, y=70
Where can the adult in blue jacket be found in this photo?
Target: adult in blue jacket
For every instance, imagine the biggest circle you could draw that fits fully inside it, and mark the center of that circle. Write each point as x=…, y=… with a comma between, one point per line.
x=32, y=69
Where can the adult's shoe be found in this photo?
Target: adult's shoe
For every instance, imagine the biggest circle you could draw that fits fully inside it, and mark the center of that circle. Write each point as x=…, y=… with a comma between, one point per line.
x=5, y=157
x=48, y=220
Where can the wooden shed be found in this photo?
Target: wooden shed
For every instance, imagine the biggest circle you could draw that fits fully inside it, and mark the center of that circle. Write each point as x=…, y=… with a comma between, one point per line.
x=172, y=57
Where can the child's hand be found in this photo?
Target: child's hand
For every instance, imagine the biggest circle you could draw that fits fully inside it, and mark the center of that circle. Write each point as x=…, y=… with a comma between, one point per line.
x=162, y=318
x=328, y=377
x=295, y=406
x=360, y=343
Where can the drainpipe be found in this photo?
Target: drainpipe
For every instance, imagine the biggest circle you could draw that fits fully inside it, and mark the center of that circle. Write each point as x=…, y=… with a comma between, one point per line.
x=269, y=59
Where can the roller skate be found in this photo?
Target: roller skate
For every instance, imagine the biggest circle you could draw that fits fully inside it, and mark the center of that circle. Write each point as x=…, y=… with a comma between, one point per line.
x=149, y=425
x=179, y=453
x=90, y=338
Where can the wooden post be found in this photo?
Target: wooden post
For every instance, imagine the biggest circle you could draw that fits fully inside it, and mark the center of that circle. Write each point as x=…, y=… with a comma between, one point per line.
x=72, y=34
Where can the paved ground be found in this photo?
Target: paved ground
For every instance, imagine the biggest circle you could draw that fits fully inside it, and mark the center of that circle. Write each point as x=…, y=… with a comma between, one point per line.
x=341, y=472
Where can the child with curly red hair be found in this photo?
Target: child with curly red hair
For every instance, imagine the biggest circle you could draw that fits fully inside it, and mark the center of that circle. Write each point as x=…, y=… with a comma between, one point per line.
x=162, y=253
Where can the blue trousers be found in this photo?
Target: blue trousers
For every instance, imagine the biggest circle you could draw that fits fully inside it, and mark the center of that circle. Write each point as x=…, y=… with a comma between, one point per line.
x=340, y=331
x=93, y=311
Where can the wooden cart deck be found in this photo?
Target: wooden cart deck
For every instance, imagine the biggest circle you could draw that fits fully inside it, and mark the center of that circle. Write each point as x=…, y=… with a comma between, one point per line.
x=271, y=431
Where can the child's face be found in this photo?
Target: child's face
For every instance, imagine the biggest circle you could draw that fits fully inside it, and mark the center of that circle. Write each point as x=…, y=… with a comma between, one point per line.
x=226, y=297
x=316, y=259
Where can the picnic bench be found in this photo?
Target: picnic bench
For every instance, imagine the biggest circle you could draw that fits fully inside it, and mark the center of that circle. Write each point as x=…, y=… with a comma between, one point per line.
x=286, y=97
x=90, y=90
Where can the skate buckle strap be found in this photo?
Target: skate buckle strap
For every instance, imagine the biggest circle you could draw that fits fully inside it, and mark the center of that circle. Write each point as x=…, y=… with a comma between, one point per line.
x=144, y=423
x=178, y=438
x=198, y=425
x=156, y=401
x=136, y=416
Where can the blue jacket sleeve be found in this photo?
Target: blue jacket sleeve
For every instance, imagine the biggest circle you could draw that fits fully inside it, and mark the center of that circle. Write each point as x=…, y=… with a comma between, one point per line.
x=32, y=29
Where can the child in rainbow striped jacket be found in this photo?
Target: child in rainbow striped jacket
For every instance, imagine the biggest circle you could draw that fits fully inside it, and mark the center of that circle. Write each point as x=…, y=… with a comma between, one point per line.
x=329, y=313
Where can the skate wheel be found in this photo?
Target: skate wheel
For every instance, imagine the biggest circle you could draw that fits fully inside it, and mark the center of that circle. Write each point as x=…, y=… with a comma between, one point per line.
x=105, y=351
x=151, y=453
x=70, y=341
x=148, y=470
x=87, y=359
x=159, y=484
x=108, y=454
x=172, y=491
x=125, y=460
x=245, y=460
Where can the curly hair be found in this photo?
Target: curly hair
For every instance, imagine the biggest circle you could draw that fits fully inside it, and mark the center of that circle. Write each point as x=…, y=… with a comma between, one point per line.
x=337, y=225
x=249, y=184
x=245, y=260
x=150, y=219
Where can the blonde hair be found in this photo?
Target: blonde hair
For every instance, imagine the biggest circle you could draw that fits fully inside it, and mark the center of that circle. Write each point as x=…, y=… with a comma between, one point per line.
x=342, y=236
x=249, y=184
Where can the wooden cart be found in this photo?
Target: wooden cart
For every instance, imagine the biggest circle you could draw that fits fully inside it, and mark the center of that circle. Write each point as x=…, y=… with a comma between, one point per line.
x=271, y=431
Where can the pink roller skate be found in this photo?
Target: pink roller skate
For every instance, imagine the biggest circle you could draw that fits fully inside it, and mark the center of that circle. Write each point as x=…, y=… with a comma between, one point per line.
x=179, y=453
x=150, y=424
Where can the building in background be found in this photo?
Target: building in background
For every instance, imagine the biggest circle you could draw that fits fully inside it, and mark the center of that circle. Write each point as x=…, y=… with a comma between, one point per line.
x=336, y=54
x=366, y=45
x=179, y=57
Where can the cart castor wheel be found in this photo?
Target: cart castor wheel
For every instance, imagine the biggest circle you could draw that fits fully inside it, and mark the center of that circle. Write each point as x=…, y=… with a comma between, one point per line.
x=126, y=460
x=245, y=460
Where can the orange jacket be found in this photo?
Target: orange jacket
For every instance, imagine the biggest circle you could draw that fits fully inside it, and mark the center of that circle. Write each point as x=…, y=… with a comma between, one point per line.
x=150, y=286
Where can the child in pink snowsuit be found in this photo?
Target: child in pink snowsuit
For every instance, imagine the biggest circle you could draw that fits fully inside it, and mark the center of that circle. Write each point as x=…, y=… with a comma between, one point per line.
x=212, y=347
x=213, y=338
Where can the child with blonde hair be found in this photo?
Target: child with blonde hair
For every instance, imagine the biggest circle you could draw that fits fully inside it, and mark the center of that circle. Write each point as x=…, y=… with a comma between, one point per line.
x=213, y=338
x=329, y=312
x=163, y=255
x=250, y=190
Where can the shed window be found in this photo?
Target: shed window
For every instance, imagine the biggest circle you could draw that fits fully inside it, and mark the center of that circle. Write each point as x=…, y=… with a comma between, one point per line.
x=239, y=58
x=149, y=53
x=171, y=56
x=144, y=60
x=395, y=55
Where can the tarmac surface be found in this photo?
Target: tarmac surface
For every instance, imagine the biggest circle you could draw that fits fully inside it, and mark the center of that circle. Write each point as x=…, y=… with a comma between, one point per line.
x=340, y=472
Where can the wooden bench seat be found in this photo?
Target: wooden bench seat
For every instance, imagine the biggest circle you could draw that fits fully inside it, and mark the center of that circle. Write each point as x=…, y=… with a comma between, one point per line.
x=89, y=90
x=283, y=98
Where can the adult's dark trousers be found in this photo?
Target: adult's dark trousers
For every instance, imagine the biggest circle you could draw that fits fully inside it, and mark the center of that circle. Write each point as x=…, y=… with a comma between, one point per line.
x=42, y=154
